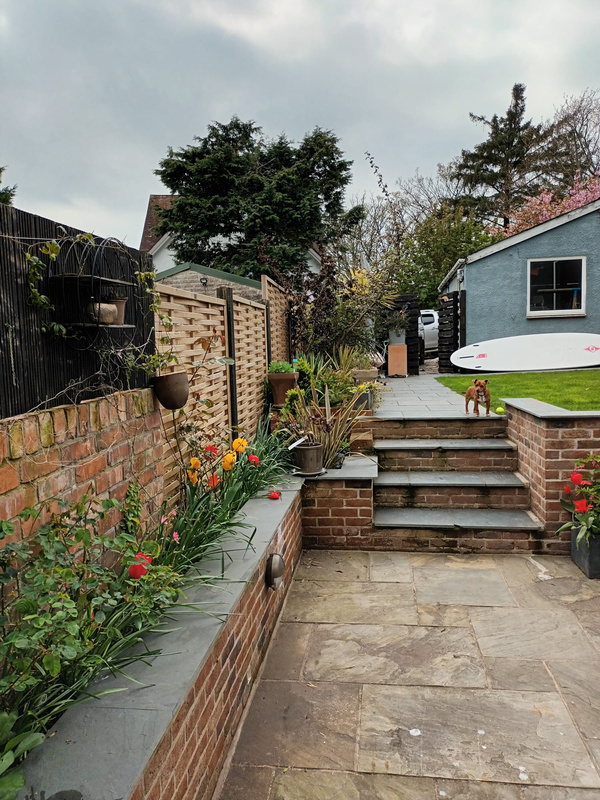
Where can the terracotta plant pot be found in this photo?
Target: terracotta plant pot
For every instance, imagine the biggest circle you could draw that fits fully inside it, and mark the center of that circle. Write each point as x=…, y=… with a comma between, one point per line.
x=120, y=303
x=308, y=459
x=103, y=313
x=281, y=383
x=365, y=375
x=172, y=391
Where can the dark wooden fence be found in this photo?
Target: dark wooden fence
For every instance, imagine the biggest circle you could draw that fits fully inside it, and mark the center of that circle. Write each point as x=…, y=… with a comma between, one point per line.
x=448, y=336
x=39, y=369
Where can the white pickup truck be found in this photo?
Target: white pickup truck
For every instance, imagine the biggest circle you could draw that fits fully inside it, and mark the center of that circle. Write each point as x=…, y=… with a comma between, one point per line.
x=429, y=332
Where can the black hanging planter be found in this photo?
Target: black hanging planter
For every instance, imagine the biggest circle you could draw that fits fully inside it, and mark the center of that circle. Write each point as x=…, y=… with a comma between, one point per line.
x=172, y=390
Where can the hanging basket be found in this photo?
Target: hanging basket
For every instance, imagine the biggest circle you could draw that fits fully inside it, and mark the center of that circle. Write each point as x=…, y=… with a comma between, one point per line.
x=172, y=391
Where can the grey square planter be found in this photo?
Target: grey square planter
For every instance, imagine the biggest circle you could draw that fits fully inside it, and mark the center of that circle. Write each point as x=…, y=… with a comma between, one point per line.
x=587, y=555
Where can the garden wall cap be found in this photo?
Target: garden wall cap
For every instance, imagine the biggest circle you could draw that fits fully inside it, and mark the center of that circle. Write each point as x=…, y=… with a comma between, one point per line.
x=537, y=408
x=354, y=468
x=123, y=728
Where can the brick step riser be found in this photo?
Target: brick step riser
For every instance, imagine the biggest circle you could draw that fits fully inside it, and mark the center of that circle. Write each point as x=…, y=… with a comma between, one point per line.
x=438, y=541
x=448, y=460
x=439, y=429
x=452, y=497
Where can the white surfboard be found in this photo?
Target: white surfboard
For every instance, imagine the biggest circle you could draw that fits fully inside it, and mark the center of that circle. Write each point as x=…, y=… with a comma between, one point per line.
x=531, y=353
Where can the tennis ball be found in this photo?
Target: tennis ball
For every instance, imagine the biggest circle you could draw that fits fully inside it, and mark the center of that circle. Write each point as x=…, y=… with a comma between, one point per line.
x=499, y=410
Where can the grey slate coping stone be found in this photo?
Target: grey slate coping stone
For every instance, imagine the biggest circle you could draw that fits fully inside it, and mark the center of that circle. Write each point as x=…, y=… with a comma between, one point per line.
x=101, y=746
x=458, y=479
x=443, y=444
x=468, y=518
x=537, y=408
x=357, y=467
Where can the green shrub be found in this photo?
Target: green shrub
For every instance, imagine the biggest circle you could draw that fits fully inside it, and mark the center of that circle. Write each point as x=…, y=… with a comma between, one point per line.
x=280, y=366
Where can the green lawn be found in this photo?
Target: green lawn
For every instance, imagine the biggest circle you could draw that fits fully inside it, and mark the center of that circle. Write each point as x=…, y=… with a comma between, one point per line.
x=576, y=390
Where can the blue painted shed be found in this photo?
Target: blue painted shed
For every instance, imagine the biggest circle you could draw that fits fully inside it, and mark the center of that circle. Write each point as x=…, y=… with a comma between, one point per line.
x=543, y=280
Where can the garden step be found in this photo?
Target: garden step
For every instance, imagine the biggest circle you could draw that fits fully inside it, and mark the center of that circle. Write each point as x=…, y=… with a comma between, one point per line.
x=456, y=530
x=467, y=519
x=451, y=490
x=434, y=427
x=467, y=455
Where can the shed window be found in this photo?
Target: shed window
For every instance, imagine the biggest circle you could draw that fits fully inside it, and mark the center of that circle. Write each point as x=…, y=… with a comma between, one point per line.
x=556, y=287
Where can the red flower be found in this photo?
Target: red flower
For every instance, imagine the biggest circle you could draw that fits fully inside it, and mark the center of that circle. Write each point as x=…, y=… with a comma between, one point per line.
x=582, y=506
x=567, y=490
x=139, y=569
x=576, y=478
x=212, y=482
x=274, y=496
x=211, y=450
x=252, y=459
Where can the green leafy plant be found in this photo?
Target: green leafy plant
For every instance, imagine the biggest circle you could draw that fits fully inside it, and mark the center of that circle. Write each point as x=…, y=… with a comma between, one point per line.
x=340, y=386
x=13, y=748
x=317, y=425
x=585, y=511
x=280, y=367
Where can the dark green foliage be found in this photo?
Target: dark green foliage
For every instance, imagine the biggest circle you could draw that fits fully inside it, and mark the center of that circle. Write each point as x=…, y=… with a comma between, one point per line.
x=250, y=205
x=515, y=160
x=6, y=192
x=434, y=247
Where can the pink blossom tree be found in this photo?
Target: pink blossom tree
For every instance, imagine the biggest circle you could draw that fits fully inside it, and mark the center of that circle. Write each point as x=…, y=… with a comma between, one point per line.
x=546, y=205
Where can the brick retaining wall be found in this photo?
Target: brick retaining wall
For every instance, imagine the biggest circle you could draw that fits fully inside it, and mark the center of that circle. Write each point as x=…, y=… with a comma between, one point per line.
x=549, y=440
x=96, y=446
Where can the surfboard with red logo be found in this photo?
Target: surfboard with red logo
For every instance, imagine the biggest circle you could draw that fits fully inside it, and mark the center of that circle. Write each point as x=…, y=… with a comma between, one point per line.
x=531, y=353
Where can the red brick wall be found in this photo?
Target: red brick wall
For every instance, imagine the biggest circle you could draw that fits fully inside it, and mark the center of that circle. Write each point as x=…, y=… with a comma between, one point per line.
x=187, y=762
x=63, y=452
x=548, y=448
x=337, y=513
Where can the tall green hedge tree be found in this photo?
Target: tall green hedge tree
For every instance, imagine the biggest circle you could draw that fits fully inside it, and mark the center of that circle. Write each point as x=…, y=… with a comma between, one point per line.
x=250, y=205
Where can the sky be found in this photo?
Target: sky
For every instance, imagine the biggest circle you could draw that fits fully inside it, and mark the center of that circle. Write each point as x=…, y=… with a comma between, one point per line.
x=94, y=92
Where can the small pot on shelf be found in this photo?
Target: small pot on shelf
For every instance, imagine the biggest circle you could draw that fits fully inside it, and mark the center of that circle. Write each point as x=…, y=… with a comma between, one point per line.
x=172, y=390
x=308, y=459
x=103, y=313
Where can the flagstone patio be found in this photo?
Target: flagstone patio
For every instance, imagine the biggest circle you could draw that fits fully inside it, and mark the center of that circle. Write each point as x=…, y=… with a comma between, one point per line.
x=394, y=676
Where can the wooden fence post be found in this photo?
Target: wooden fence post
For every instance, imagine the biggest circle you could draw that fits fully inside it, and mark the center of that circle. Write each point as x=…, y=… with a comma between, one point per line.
x=227, y=294
x=268, y=330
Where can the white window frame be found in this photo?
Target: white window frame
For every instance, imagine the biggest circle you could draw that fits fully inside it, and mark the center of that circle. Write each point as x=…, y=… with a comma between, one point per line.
x=563, y=312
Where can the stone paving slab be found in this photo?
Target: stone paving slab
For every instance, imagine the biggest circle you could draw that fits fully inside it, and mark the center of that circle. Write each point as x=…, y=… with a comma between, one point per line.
x=532, y=634
x=391, y=567
x=320, y=565
x=355, y=665
x=474, y=734
x=292, y=724
x=402, y=655
x=415, y=478
x=470, y=587
x=314, y=601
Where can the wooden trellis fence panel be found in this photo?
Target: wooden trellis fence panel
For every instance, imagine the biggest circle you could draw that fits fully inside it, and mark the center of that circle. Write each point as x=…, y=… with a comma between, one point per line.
x=194, y=317
x=250, y=338
x=279, y=305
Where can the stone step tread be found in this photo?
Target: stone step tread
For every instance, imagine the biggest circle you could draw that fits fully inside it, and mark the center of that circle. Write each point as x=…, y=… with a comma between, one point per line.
x=448, y=519
x=443, y=444
x=415, y=478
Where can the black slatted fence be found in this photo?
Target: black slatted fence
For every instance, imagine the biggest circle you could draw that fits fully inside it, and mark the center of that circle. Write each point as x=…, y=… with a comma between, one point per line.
x=39, y=369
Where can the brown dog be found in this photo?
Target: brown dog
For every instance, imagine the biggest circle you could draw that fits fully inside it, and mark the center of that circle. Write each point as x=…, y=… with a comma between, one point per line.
x=478, y=393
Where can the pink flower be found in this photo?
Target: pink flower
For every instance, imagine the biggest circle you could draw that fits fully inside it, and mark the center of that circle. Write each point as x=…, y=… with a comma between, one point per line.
x=163, y=519
x=176, y=536
x=173, y=513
